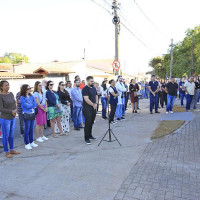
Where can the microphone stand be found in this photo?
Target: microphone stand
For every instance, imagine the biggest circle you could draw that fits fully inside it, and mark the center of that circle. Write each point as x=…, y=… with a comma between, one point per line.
x=109, y=131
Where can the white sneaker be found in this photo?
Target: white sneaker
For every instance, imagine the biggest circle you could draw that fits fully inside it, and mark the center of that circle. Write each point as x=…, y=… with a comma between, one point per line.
x=28, y=147
x=40, y=139
x=34, y=145
x=44, y=138
x=167, y=113
x=171, y=112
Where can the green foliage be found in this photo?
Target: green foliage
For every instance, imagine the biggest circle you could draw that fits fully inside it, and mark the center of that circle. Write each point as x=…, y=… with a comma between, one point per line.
x=14, y=58
x=186, y=57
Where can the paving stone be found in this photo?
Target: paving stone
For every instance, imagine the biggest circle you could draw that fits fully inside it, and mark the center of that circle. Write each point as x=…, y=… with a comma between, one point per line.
x=169, y=167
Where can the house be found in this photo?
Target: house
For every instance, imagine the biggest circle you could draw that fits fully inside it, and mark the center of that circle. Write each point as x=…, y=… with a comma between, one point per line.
x=6, y=72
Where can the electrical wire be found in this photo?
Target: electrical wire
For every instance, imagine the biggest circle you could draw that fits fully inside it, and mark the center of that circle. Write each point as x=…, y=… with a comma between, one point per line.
x=123, y=24
x=151, y=22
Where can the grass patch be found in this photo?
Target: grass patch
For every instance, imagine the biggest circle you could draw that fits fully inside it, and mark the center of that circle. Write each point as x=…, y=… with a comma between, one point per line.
x=167, y=127
x=178, y=109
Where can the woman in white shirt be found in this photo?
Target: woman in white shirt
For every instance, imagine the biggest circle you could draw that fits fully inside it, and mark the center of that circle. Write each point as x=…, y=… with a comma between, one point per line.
x=104, y=99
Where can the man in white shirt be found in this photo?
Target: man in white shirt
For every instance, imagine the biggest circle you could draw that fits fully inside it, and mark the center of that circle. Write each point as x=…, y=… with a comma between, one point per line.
x=189, y=88
x=121, y=90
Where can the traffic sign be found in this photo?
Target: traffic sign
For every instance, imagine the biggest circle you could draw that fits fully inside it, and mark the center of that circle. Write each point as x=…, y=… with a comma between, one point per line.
x=116, y=65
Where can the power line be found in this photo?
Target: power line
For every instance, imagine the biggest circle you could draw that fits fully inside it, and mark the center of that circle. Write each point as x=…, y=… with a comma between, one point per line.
x=126, y=27
x=145, y=15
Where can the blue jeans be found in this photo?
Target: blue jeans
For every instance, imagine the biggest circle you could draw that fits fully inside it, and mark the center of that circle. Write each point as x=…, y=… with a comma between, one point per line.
x=147, y=94
x=188, y=101
x=104, y=102
x=182, y=94
x=153, y=99
x=8, y=128
x=28, y=131
x=77, y=116
x=123, y=105
x=170, y=102
x=119, y=111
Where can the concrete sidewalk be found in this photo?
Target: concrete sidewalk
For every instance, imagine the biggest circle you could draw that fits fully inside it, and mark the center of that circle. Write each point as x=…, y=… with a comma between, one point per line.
x=67, y=169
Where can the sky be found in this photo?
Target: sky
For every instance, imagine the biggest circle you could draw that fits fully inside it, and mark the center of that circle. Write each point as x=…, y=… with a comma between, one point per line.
x=47, y=30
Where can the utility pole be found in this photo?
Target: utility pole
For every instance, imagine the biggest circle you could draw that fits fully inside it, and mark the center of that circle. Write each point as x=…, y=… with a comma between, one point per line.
x=171, y=63
x=116, y=22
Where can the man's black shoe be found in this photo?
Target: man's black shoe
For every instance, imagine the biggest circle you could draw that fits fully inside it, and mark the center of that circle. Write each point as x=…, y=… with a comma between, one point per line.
x=151, y=112
x=122, y=118
x=157, y=112
x=118, y=119
x=87, y=142
x=93, y=138
x=135, y=111
x=80, y=127
x=77, y=129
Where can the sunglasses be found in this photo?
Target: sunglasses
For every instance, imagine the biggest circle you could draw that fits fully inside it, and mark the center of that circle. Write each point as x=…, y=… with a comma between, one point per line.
x=51, y=84
x=28, y=88
x=62, y=84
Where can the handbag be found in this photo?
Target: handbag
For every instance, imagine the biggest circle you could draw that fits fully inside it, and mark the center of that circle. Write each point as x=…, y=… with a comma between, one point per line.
x=36, y=109
x=137, y=94
x=29, y=116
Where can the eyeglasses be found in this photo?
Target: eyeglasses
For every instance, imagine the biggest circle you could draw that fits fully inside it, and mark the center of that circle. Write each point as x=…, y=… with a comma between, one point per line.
x=51, y=84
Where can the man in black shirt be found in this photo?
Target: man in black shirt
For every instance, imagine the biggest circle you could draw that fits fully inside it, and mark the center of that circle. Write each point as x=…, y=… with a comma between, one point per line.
x=171, y=90
x=90, y=99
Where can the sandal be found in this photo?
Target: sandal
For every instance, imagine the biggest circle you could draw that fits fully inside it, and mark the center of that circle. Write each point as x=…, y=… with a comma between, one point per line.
x=62, y=134
x=54, y=135
x=8, y=155
x=14, y=152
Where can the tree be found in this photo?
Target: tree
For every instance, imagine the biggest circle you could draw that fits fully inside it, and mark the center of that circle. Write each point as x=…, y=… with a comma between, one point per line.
x=186, y=56
x=158, y=66
x=14, y=58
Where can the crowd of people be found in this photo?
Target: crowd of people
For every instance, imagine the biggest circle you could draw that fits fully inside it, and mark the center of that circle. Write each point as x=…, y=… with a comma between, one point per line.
x=79, y=102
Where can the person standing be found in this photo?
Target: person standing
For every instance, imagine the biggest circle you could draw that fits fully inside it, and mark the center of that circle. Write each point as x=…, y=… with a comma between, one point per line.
x=42, y=110
x=189, y=88
x=146, y=90
x=90, y=99
x=69, y=89
x=53, y=113
x=196, y=94
x=77, y=99
x=7, y=115
x=65, y=108
x=153, y=88
x=44, y=90
x=113, y=100
x=134, y=88
x=19, y=112
x=104, y=99
x=28, y=104
x=182, y=91
x=121, y=89
x=171, y=90
x=163, y=94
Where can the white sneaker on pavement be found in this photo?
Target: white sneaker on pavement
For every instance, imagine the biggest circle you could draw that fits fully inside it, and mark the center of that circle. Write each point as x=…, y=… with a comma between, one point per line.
x=44, y=138
x=34, y=145
x=28, y=147
x=39, y=140
x=171, y=112
x=167, y=113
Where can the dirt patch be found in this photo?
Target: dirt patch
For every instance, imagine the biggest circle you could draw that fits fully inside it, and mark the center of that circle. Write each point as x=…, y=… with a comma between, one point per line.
x=178, y=109
x=167, y=127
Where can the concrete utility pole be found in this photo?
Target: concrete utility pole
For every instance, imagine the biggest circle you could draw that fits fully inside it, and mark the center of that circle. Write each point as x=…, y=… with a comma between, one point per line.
x=171, y=63
x=116, y=22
